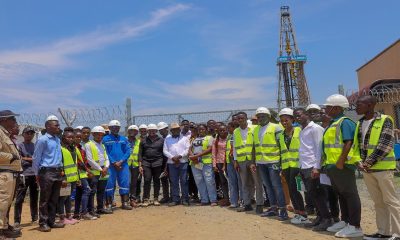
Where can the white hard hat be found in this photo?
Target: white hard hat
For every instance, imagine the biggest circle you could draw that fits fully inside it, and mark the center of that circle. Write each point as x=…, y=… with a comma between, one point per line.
x=337, y=100
x=152, y=126
x=143, y=126
x=114, y=123
x=263, y=110
x=52, y=118
x=286, y=111
x=162, y=125
x=313, y=106
x=79, y=127
x=98, y=129
x=133, y=127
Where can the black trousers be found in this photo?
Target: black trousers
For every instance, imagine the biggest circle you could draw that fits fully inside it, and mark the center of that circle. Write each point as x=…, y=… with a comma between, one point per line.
x=165, y=183
x=333, y=200
x=193, y=192
x=50, y=180
x=317, y=193
x=134, y=183
x=295, y=196
x=30, y=182
x=344, y=183
x=223, y=181
x=151, y=173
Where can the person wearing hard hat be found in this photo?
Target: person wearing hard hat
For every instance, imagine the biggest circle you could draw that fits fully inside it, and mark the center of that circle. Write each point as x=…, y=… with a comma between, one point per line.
x=289, y=144
x=176, y=149
x=143, y=131
x=314, y=110
x=150, y=164
x=267, y=157
x=374, y=141
x=133, y=163
x=10, y=165
x=118, y=150
x=163, y=130
x=310, y=154
x=340, y=164
x=98, y=160
x=244, y=161
x=48, y=167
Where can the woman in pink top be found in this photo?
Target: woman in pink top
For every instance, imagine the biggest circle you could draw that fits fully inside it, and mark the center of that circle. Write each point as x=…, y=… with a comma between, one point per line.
x=219, y=162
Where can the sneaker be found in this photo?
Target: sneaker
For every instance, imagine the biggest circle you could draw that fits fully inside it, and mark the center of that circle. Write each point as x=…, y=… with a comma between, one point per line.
x=283, y=215
x=336, y=227
x=88, y=216
x=214, y=204
x=17, y=226
x=164, y=200
x=185, y=203
x=246, y=208
x=145, y=203
x=73, y=220
x=349, y=232
x=314, y=223
x=233, y=206
x=395, y=237
x=324, y=224
x=376, y=236
x=271, y=212
x=66, y=221
x=172, y=204
x=298, y=220
x=156, y=203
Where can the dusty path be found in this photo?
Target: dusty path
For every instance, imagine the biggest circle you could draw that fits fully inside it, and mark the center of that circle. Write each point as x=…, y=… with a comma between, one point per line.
x=194, y=222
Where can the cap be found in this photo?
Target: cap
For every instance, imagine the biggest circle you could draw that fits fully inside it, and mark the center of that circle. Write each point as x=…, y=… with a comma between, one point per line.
x=7, y=113
x=133, y=127
x=174, y=125
x=28, y=129
x=114, y=123
x=152, y=126
x=161, y=125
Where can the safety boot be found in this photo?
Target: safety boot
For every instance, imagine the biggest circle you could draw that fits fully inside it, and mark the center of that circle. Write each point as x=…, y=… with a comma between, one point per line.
x=108, y=206
x=125, y=202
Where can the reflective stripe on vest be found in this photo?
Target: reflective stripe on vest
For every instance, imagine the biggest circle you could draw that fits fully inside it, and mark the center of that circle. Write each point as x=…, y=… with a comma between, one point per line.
x=267, y=150
x=82, y=173
x=133, y=159
x=333, y=144
x=206, y=159
x=290, y=157
x=95, y=156
x=70, y=168
x=389, y=162
x=243, y=151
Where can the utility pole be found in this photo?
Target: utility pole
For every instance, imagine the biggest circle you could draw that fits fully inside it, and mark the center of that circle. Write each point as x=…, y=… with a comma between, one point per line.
x=128, y=111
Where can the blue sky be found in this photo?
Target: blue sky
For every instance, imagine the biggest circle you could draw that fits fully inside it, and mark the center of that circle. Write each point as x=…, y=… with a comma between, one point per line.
x=179, y=56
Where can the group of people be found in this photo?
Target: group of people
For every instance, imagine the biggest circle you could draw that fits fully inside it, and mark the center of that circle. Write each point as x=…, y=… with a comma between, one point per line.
x=303, y=162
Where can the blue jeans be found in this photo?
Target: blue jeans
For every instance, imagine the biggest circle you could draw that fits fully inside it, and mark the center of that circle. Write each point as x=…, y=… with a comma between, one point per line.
x=178, y=175
x=233, y=180
x=272, y=181
x=122, y=177
x=205, y=182
x=82, y=197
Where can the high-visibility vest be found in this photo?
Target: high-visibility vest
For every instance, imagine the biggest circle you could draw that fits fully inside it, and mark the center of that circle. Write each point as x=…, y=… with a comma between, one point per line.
x=228, y=149
x=243, y=151
x=82, y=173
x=206, y=159
x=267, y=150
x=333, y=144
x=95, y=156
x=290, y=157
x=133, y=159
x=389, y=162
x=70, y=168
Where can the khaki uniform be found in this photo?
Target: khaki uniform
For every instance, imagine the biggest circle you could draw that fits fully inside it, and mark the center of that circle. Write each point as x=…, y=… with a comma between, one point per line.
x=7, y=177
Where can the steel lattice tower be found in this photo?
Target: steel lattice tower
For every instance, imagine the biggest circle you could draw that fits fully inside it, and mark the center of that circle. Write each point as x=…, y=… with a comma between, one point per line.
x=292, y=89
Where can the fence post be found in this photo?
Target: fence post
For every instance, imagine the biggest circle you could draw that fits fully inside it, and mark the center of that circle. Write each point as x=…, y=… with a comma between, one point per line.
x=128, y=111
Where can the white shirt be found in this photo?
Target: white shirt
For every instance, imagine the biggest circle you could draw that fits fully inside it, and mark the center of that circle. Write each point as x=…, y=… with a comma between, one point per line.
x=310, y=150
x=103, y=158
x=243, y=133
x=175, y=147
x=365, y=126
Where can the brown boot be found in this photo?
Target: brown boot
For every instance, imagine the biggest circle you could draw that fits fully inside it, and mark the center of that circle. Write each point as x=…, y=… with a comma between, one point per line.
x=224, y=202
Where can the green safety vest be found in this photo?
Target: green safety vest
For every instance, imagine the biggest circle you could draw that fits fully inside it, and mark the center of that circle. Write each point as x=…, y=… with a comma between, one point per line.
x=82, y=173
x=70, y=168
x=389, y=162
x=133, y=159
x=290, y=157
x=228, y=149
x=267, y=150
x=333, y=145
x=95, y=156
x=206, y=159
x=243, y=151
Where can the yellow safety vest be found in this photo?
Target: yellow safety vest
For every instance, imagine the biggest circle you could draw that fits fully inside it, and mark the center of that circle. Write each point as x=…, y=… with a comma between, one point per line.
x=267, y=150
x=333, y=144
x=95, y=156
x=206, y=159
x=389, y=162
x=82, y=173
x=290, y=157
x=70, y=168
x=133, y=159
x=243, y=151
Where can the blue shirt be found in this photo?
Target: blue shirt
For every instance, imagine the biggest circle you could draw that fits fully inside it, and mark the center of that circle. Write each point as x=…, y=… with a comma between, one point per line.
x=347, y=128
x=47, y=153
x=117, y=147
